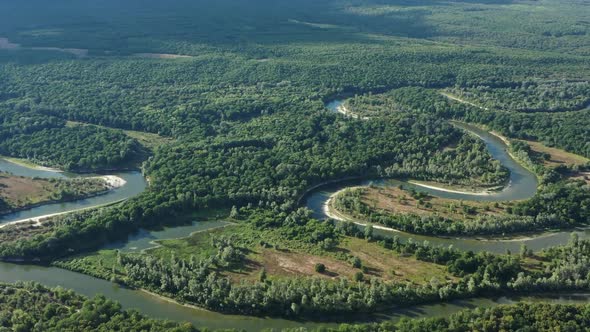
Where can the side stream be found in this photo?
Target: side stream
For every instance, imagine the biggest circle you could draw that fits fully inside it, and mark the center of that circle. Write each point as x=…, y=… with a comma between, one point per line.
x=523, y=185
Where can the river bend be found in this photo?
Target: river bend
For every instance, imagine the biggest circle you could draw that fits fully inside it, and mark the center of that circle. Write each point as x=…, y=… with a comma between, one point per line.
x=522, y=185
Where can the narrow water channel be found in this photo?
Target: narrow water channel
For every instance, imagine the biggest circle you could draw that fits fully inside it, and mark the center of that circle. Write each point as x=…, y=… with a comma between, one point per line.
x=135, y=185
x=159, y=308
x=522, y=186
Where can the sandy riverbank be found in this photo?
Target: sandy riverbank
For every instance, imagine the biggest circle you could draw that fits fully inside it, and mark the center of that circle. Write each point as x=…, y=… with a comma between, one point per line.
x=463, y=192
x=463, y=101
x=30, y=165
x=334, y=214
x=37, y=221
x=48, y=169
x=162, y=56
x=5, y=44
x=345, y=111
x=112, y=181
x=171, y=300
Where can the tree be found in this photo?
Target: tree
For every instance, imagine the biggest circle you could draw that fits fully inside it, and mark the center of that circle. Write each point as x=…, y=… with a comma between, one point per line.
x=523, y=250
x=234, y=212
x=320, y=268
x=296, y=308
x=262, y=276
x=357, y=263
x=369, y=232
x=359, y=276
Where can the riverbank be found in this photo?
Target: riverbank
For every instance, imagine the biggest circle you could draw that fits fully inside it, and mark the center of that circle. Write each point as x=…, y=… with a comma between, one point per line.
x=537, y=235
x=461, y=100
x=28, y=164
x=5, y=44
x=333, y=213
x=486, y=192
x=113, y=182
x=38, y=221
x=173, y=301
x=347, y=112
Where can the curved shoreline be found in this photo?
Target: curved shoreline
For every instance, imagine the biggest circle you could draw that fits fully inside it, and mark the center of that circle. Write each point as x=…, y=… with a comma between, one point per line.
x=345, y=111
x=38, y=221
x=331, y=212
x=326, y=209
x=31, y=165
x=111, y=181
x=523, y=184
x=486, y=192
x=339, y=216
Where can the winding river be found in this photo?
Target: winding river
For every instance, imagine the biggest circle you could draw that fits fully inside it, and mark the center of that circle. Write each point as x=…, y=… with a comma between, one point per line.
x=135, y=184
x=522, y=185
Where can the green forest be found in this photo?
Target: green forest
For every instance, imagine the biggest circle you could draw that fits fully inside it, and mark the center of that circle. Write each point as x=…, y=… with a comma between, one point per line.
x=223, y=106
x=33, y=307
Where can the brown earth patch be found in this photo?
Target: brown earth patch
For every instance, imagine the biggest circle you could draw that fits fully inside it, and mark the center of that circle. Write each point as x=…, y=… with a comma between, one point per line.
x=394, y=200
x=556, y=156
x=582, y=176
x=389, y=265
x=20, y=192
x=378, y=262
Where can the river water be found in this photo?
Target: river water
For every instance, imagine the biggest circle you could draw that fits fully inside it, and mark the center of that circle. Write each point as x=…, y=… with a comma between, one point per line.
x=522, y=186
x=135, y=185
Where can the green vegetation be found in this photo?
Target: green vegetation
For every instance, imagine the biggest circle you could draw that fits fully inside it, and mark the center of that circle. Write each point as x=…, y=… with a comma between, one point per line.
x=239, y=122
x=260, y=164
x=564, y=130
x=563, y=204
x=47, y=141
x=562, y=201
x=516, y=317
x=205, y=280
x=530, y=96
x=18, y=193
x=32, y=307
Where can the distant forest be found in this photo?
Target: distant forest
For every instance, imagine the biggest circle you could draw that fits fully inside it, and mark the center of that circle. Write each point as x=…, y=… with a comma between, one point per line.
x=235, y=92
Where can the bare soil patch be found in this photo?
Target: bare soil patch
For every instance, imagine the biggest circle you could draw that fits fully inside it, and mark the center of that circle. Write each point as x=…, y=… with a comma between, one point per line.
x=5, y=44
x=378, y=262
x=22, y=192
x=394, y=200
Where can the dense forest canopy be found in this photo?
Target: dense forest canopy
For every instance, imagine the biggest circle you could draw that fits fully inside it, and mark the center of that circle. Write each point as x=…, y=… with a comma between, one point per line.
x=236, y=91
x=555, y=25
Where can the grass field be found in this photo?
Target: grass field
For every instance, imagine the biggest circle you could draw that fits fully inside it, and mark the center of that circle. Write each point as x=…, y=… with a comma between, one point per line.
x=288, y=260
x=295, y=261
x=394, y=200
x=20, y=192
x=556, y=157
x=148, y=140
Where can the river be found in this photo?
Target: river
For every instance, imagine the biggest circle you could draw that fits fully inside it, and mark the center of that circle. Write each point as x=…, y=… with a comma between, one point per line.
x=135, y=185
x=522, y=186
